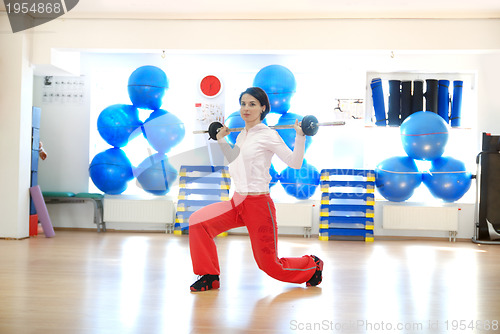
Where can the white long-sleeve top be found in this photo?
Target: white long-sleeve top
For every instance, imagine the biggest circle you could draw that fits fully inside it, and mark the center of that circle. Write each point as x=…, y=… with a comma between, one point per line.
x=250, y=159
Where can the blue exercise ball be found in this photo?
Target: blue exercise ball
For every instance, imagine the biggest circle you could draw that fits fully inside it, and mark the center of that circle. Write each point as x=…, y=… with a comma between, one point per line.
x=447, y=179
x=275, y=176
x=235, y=121
x=279, y=84
x=424, y=135
x=117, y=124
x=397, y=178
x=288, y=135
x=147, y=86
x=280, y=103
x=163, y=130
x=300, y=183
x=155, y=174
x=110, y=171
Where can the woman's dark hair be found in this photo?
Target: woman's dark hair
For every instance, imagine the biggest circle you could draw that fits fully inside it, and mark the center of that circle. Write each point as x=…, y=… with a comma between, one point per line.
x=261, y=96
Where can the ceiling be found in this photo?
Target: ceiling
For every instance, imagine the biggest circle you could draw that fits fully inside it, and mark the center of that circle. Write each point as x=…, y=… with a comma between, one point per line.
x=283, y=9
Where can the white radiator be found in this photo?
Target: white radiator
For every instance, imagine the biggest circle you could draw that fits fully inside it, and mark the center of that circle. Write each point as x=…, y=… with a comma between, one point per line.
x=294, y=215
x=135, y=210
x=404, y=217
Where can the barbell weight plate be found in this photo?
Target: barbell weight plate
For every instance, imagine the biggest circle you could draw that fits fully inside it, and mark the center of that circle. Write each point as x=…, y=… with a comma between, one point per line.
x=213, y=129
x=309, y=125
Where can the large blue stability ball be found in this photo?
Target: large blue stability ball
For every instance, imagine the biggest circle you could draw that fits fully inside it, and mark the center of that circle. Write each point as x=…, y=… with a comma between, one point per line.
x=235, y=121
x=110, y=171
x=155, y=174
x=424, y=135
x=447, y=179
x=163, y=130
x=147, y=86
x=300, y=183
x=279, y=84
x=288, y=135
x=117, y=124
x=397, y=178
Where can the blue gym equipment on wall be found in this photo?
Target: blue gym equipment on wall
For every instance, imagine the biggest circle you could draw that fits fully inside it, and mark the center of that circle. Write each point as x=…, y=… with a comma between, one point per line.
x=279, y=84
x=397, y=178
x=118, y=124
x=424, y=136
x=404, y=100
x=378, y=102
x=456, y=104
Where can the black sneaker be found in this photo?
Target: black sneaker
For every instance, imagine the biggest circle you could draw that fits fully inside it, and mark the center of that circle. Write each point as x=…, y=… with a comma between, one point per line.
x=318, y=276
x=206, y=282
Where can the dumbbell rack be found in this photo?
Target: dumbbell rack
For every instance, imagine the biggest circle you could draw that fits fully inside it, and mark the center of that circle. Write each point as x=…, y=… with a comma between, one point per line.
x=347, y=212
x=199, y=186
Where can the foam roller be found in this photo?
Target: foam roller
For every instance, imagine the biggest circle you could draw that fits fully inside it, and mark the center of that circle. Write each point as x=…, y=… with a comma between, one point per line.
x=394, y=103
x=41, y=209
x=405, y=99
x=417, y=99
x=444, y=100
x=456, y=103
x=431, y=95
x=378, y=102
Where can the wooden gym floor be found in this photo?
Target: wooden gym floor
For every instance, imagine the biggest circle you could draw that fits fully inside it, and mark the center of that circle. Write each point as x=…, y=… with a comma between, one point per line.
x=87, y=282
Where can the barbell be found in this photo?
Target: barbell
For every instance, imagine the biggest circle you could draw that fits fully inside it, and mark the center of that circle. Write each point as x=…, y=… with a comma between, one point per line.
x=309, y=125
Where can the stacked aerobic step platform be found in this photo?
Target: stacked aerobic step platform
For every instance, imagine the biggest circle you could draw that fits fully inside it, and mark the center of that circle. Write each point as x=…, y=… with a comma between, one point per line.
x=199, y=186
x=347, y=204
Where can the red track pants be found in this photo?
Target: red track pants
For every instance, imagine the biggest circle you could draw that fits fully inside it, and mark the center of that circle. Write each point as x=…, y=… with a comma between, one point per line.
x=258, y=214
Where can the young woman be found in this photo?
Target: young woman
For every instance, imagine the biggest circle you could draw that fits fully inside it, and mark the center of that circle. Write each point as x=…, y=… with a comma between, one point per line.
x=251, y=205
